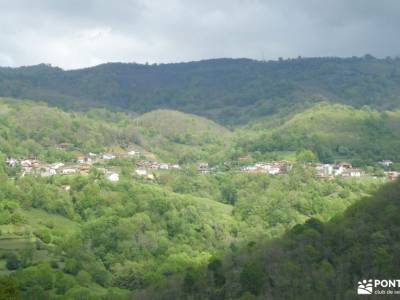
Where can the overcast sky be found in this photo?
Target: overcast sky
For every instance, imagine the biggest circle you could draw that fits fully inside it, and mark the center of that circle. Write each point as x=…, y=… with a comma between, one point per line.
x=81, y=33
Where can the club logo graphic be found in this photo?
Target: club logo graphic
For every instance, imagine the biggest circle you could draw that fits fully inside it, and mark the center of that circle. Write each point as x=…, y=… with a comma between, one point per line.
x=365, y=287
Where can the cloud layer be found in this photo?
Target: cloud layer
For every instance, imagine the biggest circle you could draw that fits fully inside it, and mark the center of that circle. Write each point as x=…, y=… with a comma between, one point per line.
x=74, y=34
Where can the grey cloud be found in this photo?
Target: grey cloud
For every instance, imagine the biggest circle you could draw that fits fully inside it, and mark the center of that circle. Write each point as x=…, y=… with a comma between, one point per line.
x=73, y=34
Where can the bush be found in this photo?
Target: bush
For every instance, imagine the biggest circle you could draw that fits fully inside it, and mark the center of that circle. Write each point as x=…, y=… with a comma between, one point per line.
x=13, y=261
x=44, y=235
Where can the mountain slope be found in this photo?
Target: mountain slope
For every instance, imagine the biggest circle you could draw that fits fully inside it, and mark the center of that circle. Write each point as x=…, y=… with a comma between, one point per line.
x=172, y=123
x=331, y=131
x=184, y=136
x=34, y=129
x=313, y=261
x=226, y=90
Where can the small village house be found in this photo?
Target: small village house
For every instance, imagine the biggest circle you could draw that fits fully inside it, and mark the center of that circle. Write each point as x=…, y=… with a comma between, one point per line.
x=68, y=171
x=11, y=162
x=112, y=176
x=175, y=167
x=203, y=168
x=108, y=156
x=385, y=163
x=56, y=166
x=164, y=166
x=141, y=172
x=352, y=173
x=133, y=153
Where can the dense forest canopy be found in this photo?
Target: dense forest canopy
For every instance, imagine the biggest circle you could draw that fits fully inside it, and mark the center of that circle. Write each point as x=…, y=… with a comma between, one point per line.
x=230, y=91
x=199, y=180
x=315, y=260
x=332, y=132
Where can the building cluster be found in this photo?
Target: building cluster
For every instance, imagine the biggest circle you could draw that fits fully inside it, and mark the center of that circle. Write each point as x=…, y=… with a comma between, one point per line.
x=144, y=168
x=154, y=165
x=39, y=168
x=345, y=169
x=342, y=169
x=273, y=168
x=385, y=163
x=82, y=164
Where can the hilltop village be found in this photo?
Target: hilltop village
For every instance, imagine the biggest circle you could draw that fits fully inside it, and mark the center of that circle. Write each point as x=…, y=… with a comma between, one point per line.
x=83, y=164
x=102, y=162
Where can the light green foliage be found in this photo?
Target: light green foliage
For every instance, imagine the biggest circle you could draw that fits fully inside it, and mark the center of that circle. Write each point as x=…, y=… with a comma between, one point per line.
x=32, y=129
x=331, y=132
x=315, y=260
x=182, y=137
x=167, y=238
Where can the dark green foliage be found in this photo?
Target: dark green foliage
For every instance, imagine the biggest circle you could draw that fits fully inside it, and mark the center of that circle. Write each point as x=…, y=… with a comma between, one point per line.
x=252, y=278
x=187, y=235
x=8, y=289
x=320, y=260
x=226, y=90
x=13, y=261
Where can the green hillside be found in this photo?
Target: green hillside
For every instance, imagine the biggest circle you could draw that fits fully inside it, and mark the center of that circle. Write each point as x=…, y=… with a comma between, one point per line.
x=125, y=240
x=229, y=91
x=185, y=234
x=35, y=129
x=174, y=134
x=315, y=260
x=330, y=131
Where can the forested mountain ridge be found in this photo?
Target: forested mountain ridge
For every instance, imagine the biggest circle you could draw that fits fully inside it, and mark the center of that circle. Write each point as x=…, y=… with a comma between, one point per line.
x=32, y=129
x=230, y=91
x=315, y=260
x=213, y=226
x=332, y=132
x=78, y=233
x=124, y=240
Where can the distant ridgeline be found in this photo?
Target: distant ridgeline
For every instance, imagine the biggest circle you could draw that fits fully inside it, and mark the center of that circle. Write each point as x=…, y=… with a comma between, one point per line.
x=229, y=91
x=33, y=129
x=332, y=132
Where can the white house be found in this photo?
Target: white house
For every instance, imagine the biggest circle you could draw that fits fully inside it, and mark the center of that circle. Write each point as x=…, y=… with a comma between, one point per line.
x=47, y=172
x=352, y=173
x=385, y=163
x=108, y=156
x=328, y=169
x=250, y=169
x=164, y=166
x=203, y=168
x=339, y=170
x=355, y=172
x=26, y=163
x=272, y=170
x=68, y=171
x=141, y=172
x=112, y=176
x=56, y=166
x=11, y=162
